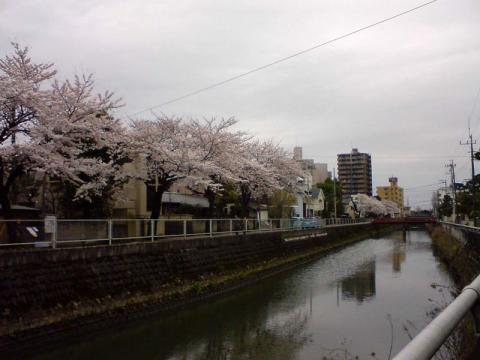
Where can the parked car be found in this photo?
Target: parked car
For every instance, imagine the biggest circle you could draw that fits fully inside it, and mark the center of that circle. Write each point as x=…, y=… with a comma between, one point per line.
x=311, y=223
x=296, y=222
x=305, y=223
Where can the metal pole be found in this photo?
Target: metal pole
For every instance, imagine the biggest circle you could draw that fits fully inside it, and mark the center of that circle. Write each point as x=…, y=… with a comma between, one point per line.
x=246, y=225
x=184, y=228
x=231, y=226
x=430, y=339
x=334, y=194
x=109, y=231
x=152, y=229
x=472, y=158
x=54, y=234
x=211, y=227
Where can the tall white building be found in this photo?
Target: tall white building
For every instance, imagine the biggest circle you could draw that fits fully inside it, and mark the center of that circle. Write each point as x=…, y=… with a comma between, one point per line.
x=319, y=173
x=297, y=153
x=313, y=173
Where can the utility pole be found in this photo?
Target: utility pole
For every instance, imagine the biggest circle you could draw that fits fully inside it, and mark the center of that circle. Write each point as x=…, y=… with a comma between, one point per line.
x=440, y=199
x=451, y=167
x=334, y=194
x=471, y=142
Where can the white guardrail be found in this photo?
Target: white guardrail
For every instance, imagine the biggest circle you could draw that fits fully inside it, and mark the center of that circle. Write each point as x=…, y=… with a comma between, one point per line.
x=462, y=226
x=430, y=339
x=52, y=232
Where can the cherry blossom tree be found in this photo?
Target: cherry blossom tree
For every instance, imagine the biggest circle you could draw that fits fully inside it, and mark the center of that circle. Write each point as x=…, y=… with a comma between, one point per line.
x=98, y=145
x=22, y=98
x=369, y=206
x=391, y=208
x=264, y=167
x=169, y=152
x=219, y=146
x=58, y=129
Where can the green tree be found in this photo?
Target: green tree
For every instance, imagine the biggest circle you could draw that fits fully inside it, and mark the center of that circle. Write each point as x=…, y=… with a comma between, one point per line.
x=327, y=188
x=228, y=197
x=445, y=207
x=279, y=204
x=465, y=198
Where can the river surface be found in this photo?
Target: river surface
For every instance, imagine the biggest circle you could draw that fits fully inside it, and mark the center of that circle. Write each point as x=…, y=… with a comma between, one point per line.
x=363, y=301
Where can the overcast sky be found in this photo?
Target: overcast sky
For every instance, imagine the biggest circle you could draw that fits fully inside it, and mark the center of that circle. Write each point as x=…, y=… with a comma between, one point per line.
x=402, y=91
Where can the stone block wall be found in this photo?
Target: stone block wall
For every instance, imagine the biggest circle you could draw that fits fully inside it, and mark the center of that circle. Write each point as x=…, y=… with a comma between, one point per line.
x=34, y=282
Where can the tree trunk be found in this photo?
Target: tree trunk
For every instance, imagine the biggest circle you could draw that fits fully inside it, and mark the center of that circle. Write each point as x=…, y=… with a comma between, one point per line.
x=157, y=203
x=210, y=195
x=156, y=206
x=7, y=215
x=245, y=200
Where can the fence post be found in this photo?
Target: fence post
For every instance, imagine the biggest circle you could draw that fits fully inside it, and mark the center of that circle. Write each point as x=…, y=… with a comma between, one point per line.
x=246, y=225
x=211, y=227
x=184, y=228
x=54, y=234
x=109, y=231
x=231, y=226
x=152, y=229
x=50, y=227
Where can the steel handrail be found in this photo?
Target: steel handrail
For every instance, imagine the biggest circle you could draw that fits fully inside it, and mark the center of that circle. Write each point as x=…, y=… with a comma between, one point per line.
x=286, y=224
x=431, y=338
x=463, y=226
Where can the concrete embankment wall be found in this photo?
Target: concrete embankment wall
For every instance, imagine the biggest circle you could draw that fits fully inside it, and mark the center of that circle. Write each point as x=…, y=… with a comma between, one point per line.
x=459, y=250
x=47, y=293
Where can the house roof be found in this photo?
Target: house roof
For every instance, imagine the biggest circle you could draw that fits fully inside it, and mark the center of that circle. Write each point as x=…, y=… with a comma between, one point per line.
x=317, y=192
x=21, y=207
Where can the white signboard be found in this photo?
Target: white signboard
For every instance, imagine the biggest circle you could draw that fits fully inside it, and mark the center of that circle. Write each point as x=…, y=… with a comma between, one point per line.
x=50, y=224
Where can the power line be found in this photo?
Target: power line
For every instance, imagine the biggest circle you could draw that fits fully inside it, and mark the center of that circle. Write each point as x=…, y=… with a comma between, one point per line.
x=464, y=165
x=263, y=67
x=413, y=157
x=418, y=192
x=469, y=118
x=421, y=186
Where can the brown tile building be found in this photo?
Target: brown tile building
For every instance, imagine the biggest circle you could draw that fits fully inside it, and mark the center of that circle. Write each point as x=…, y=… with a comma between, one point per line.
x=355, y=173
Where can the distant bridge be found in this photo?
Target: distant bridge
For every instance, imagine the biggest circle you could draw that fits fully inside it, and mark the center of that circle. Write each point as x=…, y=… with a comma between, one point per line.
x=408, y=220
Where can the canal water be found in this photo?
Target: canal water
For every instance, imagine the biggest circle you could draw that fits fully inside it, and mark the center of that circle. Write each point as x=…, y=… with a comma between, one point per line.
x=363, y=301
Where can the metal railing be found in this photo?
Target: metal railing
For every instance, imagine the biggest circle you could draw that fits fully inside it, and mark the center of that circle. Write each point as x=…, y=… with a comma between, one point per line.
x=431, y=338
x=470, y=228
x=53, y=233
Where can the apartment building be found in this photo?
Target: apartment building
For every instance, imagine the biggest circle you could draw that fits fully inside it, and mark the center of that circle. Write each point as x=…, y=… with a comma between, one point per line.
x=355, y=173
x=392, y=192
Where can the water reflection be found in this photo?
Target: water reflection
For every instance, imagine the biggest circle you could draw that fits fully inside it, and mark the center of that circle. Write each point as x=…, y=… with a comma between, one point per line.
x=335, y=305
x=281, y=341
x=398, y=256
x=361, y=285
